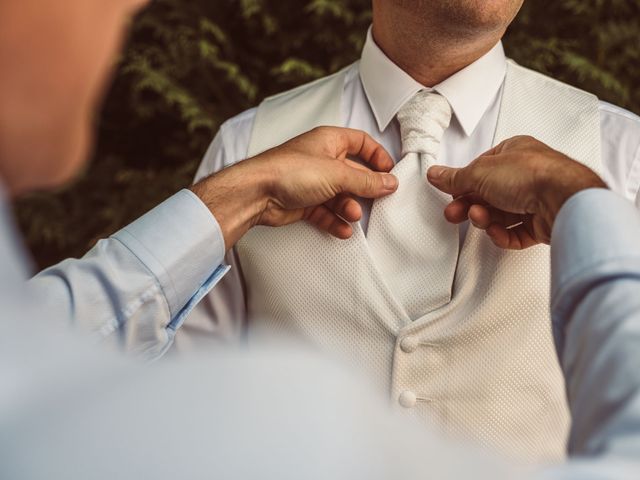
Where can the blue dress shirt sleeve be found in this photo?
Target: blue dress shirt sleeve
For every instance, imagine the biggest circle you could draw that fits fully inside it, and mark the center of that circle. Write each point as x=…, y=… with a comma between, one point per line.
x=137, y=287
x=596, y=322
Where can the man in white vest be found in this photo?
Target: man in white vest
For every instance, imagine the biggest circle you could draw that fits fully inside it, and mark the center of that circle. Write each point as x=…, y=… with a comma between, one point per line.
x=455, y=330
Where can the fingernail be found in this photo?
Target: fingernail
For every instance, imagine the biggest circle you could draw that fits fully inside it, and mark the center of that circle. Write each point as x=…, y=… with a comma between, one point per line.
x=390, y=182
x=435, y=172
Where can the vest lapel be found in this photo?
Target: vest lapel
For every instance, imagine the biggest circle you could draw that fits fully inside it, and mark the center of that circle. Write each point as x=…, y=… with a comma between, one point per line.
x=319, y=104
x=523, y=108
x=552, y=112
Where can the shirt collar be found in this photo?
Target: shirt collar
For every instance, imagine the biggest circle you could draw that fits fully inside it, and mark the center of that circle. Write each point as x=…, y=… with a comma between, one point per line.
x=470, y=91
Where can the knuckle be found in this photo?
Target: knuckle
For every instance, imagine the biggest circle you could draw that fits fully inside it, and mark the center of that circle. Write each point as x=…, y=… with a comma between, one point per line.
x=452, y=178
x=318, y=131
x=370, y=181
x=323, y=130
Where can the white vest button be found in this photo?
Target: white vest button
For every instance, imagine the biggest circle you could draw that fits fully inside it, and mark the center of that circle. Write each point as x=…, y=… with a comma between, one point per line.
x=408, y=399
x=409, y=344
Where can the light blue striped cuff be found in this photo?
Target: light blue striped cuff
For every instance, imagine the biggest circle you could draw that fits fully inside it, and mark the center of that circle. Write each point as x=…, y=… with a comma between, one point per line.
x=182, y=244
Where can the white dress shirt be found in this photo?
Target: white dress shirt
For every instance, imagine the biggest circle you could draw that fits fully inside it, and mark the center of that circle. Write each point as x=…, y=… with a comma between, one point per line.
x=375, y=89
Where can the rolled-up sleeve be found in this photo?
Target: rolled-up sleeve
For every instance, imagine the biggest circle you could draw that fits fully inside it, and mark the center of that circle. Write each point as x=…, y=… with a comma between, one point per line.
x=135, y=288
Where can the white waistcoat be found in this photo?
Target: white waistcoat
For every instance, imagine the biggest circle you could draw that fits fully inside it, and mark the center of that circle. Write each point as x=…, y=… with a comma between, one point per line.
x=485, y=362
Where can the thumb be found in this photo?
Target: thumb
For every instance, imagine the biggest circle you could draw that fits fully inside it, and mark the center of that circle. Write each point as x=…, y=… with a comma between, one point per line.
x=366, y=183
x=455, y=181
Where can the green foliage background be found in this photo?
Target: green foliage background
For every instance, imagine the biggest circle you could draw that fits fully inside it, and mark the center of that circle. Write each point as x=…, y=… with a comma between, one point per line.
x=190, y=64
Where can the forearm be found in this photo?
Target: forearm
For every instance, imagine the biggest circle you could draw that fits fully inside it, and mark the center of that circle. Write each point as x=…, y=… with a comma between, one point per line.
x=596, y=313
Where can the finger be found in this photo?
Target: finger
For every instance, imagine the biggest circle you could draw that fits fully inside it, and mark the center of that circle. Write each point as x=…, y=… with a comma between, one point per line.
x=508, y=145
x=455, y=181
x=360, y=144
x=480, y=216
x=517, y=238
x=324, y=219
x=524, y=238
x=363, y=182
x=495, y=150
x=346, y=207
x=501, y=237
x=356, y=165
x=457, y=211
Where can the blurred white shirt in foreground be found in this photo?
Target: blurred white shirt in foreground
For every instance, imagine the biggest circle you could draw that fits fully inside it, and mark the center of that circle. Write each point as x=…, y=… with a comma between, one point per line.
x=71, y=409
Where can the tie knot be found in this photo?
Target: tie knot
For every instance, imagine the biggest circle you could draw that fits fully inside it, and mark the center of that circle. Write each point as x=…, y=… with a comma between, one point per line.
x=423, y=121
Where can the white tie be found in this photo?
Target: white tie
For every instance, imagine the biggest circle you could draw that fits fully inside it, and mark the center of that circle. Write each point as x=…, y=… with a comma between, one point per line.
x=415, y=248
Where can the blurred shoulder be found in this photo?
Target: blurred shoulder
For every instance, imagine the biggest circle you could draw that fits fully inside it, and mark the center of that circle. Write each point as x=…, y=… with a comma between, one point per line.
x=613, y=117
x=620, y=132
x=236, y=133
x=229, y=146
x=240, y=124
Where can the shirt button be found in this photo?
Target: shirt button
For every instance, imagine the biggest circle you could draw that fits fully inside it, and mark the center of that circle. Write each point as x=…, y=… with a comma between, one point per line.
x=409, y=344
x=408, y=399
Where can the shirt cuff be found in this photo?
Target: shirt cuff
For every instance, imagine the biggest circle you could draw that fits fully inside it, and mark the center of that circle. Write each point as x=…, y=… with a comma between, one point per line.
x=181, y=243
x=595, y=236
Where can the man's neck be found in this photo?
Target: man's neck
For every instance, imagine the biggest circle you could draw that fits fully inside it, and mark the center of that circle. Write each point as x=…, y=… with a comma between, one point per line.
x=430, y=59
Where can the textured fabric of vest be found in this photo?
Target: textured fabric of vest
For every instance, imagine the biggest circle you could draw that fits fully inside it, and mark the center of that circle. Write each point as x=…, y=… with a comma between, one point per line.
x=484, y=363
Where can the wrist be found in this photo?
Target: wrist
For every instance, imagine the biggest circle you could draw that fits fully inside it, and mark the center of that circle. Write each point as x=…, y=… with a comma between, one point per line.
x=564, y=185
x=236, y=196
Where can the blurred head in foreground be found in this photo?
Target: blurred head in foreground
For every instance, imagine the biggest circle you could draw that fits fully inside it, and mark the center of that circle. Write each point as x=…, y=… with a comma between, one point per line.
x=55, y=61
